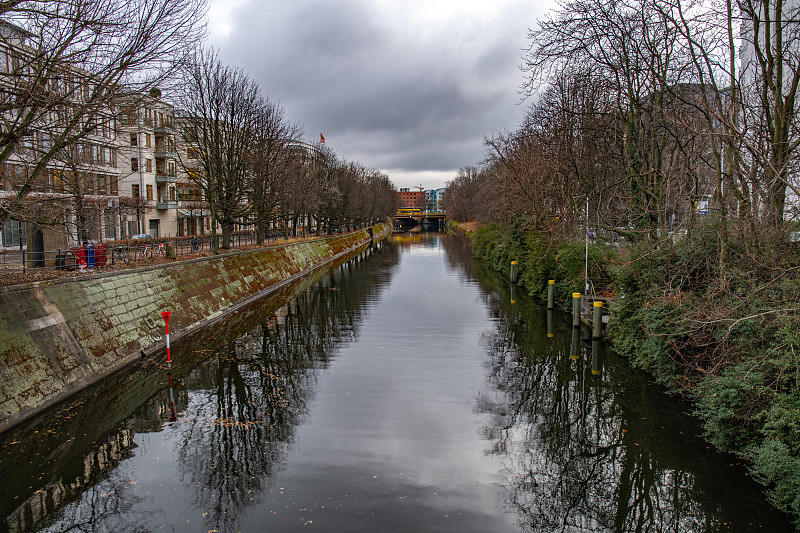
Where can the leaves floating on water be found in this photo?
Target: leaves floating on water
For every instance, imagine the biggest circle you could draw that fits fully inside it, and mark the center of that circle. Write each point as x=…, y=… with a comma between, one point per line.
x=232, y=422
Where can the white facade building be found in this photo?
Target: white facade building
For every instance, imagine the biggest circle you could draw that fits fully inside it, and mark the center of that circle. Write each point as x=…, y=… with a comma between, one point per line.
x=149, y=165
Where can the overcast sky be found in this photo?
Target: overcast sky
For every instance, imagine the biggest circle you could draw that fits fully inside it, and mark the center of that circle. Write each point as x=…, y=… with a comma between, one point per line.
x=410, y=87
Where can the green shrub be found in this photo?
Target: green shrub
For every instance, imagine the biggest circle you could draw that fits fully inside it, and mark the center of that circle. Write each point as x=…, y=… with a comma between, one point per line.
x=539, y=260
x=727, y=339
x=775, y=466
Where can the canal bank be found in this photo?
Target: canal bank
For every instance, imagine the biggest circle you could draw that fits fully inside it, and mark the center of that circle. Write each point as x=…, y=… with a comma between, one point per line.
x=58, y=337
x=724, y=340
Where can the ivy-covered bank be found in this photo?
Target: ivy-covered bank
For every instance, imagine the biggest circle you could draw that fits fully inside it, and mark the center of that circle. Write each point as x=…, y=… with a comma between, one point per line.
x=717, y=327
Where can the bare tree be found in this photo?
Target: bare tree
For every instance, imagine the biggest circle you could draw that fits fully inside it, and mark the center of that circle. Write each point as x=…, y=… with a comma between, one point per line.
x=274, y=145
x=136, y=206
x=626, y=43
x=222, y=109
x=770, y=80
x=63, y=63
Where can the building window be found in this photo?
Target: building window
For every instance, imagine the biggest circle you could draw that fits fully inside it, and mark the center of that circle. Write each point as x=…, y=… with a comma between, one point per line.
x=129, y=115
x=134, y=191
x=134, y=164
x=172, y=194
x=147, y=140
x=88, y=183
x=110, y=224
x=14, y=233
x=134, y=139
x=149, y=192
x=149, y=165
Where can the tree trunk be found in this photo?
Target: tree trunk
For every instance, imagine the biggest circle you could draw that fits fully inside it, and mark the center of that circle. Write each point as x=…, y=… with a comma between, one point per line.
x=214, y=243
x=226, y=235
x=260, y=231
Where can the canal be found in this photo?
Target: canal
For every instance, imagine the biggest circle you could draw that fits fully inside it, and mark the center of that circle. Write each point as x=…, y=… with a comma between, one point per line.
x=404, y=390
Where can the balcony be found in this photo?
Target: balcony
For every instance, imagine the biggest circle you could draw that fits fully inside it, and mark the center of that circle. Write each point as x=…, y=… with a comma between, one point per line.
x=164, y=128
x=165, y=153
x=165, y=204
x=163, y=177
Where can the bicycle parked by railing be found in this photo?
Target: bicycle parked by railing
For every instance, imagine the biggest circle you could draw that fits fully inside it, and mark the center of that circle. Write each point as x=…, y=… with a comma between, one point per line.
x=152, y=250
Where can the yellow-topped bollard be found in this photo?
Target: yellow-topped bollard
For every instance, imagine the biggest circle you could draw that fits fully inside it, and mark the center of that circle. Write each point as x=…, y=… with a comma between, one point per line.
x=576, y=309
x=551, y=285
x=597, y=320
x=513, y=271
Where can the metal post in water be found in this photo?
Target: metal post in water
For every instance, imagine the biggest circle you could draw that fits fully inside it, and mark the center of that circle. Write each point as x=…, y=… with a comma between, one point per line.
x=549, y=323
x=172, y=418
x=576, y=309
x=575, y=347
x=597, y=320
x=513, y=271
x=597, y=361
x=551, y=285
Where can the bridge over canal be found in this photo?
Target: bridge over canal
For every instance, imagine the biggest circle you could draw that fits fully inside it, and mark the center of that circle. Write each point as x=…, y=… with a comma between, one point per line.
x=418, y=222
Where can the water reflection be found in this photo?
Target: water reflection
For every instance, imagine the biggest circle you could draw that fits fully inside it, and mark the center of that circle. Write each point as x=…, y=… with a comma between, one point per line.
x=597, y=357
x=241, y=387
x=248, y=399
x=581, y=442
x=588, y=445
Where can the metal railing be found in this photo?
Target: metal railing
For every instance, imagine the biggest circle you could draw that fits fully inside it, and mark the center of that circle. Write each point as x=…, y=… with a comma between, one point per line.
x=598, y=287
x=127, y=252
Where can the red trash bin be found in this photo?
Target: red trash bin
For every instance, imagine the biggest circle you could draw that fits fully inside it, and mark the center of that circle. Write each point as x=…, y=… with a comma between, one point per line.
x=100, y=258
x=80, y=256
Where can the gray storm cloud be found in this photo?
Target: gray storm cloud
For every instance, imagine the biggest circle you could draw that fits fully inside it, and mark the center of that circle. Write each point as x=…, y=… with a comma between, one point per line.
x=414, y=91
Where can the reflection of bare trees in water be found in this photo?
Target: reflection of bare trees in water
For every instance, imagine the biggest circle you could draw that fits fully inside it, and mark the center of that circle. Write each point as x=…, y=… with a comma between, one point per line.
x=248, y=399
x=570, y=443
x=581, y=453
x=106, y=502
x=238, y=412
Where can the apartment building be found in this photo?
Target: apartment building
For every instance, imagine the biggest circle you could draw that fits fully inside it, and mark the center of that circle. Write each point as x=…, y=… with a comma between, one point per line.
x=411, y=199
x=122, y=176
x=194, y=216
x=148, y=165
x=433, y=199
x=73, y=199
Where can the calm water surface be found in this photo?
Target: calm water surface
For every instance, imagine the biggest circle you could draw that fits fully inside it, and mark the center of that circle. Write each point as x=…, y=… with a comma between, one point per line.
x=401, y=392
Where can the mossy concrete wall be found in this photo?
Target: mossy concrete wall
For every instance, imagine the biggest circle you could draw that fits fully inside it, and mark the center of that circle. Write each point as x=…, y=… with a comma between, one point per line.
x=58, y=337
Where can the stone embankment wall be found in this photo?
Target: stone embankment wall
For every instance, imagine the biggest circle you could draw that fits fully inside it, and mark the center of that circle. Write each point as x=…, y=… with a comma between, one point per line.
x=58, y=337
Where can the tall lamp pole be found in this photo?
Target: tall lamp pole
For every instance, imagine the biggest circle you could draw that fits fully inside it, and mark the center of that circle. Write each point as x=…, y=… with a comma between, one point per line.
x=586, y=264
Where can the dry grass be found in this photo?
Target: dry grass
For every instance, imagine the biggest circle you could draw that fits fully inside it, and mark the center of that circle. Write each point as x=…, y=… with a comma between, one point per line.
x=468, y=227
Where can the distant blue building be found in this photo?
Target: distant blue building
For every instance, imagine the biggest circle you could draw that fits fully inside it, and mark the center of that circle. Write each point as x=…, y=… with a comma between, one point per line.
x=433, y=200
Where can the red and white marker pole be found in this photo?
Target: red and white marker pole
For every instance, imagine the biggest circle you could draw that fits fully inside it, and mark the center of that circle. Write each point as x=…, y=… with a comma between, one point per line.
x=166, y=314
x=172, y=418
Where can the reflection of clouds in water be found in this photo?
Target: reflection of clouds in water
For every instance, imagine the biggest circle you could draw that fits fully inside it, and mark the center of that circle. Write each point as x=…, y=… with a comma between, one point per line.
x=254, y=394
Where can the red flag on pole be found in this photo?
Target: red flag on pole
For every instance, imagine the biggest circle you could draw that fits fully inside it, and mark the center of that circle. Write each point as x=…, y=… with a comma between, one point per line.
x=321, y=139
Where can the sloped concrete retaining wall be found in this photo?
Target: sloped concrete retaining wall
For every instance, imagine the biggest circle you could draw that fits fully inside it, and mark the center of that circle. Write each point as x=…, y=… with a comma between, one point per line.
x=58, y=337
